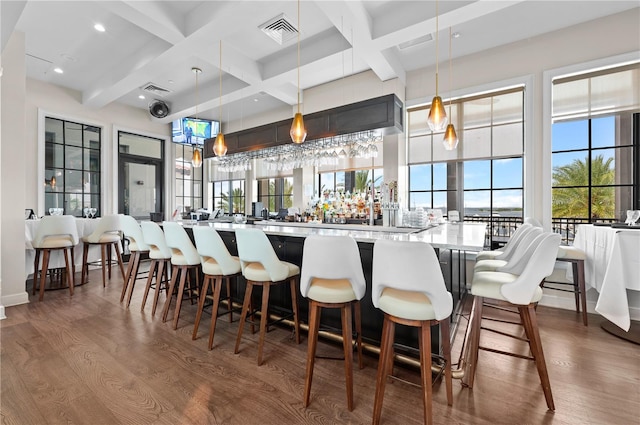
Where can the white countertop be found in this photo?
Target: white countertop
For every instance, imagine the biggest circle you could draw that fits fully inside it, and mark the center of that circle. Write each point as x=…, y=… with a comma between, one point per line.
x=463, y=236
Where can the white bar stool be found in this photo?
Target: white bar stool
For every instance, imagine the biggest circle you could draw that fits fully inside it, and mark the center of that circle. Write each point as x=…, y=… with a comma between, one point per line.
x=160, y=255
x=217, y=264
x=518, y=286
x=54, y=233
x=137, y=247
x=261, y=266
x=332, y=277
x=409, y=288
x=184, y=259
x=107, y=235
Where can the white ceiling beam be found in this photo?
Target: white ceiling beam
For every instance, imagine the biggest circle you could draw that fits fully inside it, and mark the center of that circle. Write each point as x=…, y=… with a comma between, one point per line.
x=153, y=17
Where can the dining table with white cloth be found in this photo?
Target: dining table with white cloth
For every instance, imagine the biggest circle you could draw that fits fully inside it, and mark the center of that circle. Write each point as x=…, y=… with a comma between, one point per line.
x=85, y=227
x=612, y=266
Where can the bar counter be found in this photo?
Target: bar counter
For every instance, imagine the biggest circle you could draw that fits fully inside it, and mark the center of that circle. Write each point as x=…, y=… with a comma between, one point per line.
x=451, y=241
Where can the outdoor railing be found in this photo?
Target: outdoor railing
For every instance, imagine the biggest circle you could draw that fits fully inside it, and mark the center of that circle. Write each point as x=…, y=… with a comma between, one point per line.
x=500, y=229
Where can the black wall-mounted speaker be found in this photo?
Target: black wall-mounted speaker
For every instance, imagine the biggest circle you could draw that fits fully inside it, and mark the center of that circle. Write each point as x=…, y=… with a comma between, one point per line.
x=159, y=109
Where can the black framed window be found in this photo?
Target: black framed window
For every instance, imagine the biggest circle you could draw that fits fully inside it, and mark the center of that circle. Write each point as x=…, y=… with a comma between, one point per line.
x=276, y=193
x=72, y=166
x=188, y=179
x=229, y=196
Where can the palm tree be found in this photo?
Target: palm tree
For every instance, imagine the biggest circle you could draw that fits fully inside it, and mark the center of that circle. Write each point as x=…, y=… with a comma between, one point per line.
x=362, y=181
x=237, y=201
x=571, y=181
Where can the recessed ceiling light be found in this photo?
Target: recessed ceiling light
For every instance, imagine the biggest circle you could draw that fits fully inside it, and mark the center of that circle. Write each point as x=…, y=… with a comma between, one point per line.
x=170, y=81
x=99, y=27
x=141, y=97
x=456, y=35
x=255, y=99
x=58, y=70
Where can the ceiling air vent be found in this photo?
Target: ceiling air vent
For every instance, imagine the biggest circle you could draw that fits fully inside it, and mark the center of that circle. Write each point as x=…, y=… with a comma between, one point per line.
x=415, y=42
x=155, y=89
x=280, y=29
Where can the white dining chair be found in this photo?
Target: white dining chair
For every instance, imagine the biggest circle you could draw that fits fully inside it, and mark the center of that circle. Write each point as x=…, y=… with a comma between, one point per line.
x=521, y=249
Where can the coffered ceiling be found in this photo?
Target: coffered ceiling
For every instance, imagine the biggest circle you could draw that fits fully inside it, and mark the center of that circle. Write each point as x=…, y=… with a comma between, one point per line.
x=158, y=42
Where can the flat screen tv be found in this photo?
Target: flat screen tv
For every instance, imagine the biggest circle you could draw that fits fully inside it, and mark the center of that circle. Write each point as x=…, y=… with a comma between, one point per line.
x=190, y=131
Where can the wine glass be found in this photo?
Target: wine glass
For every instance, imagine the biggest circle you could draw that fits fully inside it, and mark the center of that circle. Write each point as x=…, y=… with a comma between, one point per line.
x=85, y=212
x=632, y=217
x=52, y=211
x=93, y=211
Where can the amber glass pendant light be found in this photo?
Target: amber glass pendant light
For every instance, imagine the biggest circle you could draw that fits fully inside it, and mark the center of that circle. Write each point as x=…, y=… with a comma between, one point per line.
x=450, y=140
x=196, y=159
x=219, y=146
x=437, y=116
x=298, y=131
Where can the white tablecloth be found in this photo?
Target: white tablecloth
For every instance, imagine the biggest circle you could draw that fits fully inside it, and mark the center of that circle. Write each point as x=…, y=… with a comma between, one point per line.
x=612, y=266
x=85, y=227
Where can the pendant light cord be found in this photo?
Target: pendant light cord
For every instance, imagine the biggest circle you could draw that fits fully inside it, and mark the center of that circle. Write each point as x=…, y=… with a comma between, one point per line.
x=298, y=56
x=437, y=46
x=220, y=91
x=450, y=74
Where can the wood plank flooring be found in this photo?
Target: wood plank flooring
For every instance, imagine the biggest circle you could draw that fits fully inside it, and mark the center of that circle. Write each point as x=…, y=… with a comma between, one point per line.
x=87, y=359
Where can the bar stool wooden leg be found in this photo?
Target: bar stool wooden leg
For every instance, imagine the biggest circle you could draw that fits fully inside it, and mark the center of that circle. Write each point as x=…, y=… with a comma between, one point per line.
x=229, y=304
x=535, y=343
x=183, y=279
x=163, y=275
x=386, y=351
x=446, y=348
x=152, y=270
x=43, y=273
x=217, y=288
x=243, y=316
x=424, y=342
x=294, y=306
x=172, y=285
x=347, y=342
x=578, y=271
x=476, y=322
x=70, y=277
x=133, y=277
x=120, y=262
x=358, y=319
x=103, y=248
x=312, y=341
x=203, y=296
x=264, y=318
x=128, y=275
x=36, y=269
x=85, y=265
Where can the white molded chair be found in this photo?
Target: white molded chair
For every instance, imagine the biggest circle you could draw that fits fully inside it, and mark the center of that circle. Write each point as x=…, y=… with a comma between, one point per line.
x=409, y=288
x=217, y=264
x=332, y=277
x=107, y=235
x=261, y=266
x=137, y=247
x=521, y=249
x=506, y=250
x=54, y=233
x=184, y=259
x=160, y=255
x=520, y=289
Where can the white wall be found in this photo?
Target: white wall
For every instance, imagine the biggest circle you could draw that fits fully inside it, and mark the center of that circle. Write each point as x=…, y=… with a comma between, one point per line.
x=13, y=168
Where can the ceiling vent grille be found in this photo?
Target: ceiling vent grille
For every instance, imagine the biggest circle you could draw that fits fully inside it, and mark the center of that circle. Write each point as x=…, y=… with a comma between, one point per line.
x=415, y=42
x=155, y=89
x=280, y=29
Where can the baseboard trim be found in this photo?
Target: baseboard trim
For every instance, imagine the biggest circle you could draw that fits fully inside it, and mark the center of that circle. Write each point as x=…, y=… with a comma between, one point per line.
x=15, y=299
x=567, y=303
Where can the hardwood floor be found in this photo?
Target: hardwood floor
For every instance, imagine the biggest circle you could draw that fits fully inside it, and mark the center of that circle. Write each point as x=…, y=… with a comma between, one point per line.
x=86, y=359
